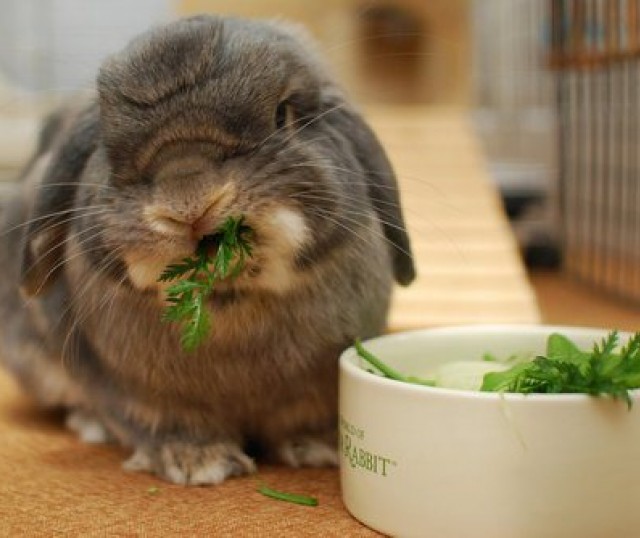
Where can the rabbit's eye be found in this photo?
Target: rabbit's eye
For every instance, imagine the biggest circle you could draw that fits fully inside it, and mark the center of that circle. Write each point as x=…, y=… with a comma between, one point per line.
x=283, y=114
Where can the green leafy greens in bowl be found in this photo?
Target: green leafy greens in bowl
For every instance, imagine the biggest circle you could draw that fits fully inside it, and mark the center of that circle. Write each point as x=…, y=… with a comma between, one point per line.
x=198, y=275
x=605, y=370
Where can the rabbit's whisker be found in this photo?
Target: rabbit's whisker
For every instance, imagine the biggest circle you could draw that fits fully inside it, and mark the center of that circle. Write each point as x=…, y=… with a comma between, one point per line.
x=301, y=144
x=353, y=202
x=444, y=198
x=379, y=234
x=364, y=174
x=323, y=214
x=110, y=260
x=351, y=207
x=276, y=132
x=312, y=121
x=330, y=196
x=65, y=259
x=314, y=196
x=81, y=317
x=58, y=245
x=81, y=312
x=54, y=225
x=73, y=184
x=49, y=216
x=114, y=294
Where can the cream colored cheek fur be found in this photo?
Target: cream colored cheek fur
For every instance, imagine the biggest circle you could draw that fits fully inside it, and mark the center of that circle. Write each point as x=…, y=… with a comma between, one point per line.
x=287, y=232
x=144, y=271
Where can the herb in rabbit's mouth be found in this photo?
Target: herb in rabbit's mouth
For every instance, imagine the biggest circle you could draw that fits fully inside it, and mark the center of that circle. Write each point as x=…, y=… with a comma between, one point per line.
x=198, y=275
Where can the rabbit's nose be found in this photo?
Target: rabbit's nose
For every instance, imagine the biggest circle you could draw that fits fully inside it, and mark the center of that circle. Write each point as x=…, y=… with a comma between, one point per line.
x=202, y=225
x=195, y=224
x=195, y=216
x=167, y=223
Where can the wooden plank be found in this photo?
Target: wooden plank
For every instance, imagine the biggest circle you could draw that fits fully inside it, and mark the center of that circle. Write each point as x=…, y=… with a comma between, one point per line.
x=469, y=269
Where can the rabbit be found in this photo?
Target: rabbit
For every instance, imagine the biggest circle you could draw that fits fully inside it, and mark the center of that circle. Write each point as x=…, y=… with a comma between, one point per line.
x=193, y=122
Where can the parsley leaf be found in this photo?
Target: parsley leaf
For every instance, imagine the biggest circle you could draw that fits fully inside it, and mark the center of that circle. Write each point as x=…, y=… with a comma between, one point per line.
x=386, y=370
x=563, y=369
x=295, y=498
x=197, y=276
x=567, y=369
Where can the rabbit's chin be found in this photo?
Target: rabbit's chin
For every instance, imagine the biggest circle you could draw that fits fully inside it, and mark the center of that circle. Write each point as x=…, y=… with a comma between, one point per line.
x=271, y=268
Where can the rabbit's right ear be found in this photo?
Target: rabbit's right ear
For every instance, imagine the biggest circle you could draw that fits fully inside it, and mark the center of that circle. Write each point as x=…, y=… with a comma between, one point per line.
x=381, y=182
x=45, y=233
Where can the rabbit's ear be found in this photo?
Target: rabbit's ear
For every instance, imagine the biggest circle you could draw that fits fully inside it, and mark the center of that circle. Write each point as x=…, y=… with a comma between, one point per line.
x=54, y=198
x=381, y=184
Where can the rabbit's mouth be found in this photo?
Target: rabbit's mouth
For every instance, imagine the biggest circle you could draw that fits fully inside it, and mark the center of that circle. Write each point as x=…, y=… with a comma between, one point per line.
x=209, y=244
x=275, y=237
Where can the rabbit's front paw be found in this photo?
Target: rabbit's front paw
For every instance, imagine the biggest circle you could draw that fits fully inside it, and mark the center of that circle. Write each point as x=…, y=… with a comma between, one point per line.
x=190, y=464
x=88, y=427
x=308, y=452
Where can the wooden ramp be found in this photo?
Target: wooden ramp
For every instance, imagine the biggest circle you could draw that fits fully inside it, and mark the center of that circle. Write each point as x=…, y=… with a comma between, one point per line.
x=469, y=272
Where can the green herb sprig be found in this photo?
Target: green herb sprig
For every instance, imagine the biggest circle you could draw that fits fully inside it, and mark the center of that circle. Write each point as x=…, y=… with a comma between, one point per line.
x=295, y=498
x=198, y=276
x=567, y=369
x=564, y=369
x=386, y=370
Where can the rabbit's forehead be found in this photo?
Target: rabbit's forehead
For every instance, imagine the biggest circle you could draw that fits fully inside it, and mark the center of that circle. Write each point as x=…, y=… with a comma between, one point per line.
x=208, y=80
x=225, y=58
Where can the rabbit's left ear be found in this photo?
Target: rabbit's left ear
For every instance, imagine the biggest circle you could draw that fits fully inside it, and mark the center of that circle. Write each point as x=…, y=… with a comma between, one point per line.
x=381, y=184
x=43, y=239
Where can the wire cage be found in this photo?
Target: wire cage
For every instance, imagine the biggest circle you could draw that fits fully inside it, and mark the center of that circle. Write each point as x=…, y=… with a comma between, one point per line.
x=515, y=115
x=595, y=50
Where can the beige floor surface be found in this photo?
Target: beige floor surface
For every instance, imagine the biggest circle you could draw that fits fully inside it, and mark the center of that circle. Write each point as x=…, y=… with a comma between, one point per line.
x=566, y=301
x=469, y=269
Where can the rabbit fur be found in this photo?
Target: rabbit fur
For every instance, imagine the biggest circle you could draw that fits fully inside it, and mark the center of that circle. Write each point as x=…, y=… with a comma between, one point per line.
x=193, y=122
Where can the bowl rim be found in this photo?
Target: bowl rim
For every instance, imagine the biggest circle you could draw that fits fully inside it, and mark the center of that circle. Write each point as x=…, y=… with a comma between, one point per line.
x=349, y=355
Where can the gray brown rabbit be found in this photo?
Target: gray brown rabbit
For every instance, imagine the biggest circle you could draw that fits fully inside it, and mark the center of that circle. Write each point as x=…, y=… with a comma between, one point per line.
x=193, y=122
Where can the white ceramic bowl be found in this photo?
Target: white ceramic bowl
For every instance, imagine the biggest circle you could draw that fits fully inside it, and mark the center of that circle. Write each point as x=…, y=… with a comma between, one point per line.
x=428, y=462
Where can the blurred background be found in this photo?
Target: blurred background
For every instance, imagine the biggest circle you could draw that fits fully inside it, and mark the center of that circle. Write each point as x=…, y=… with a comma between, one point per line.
x=550, y=88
